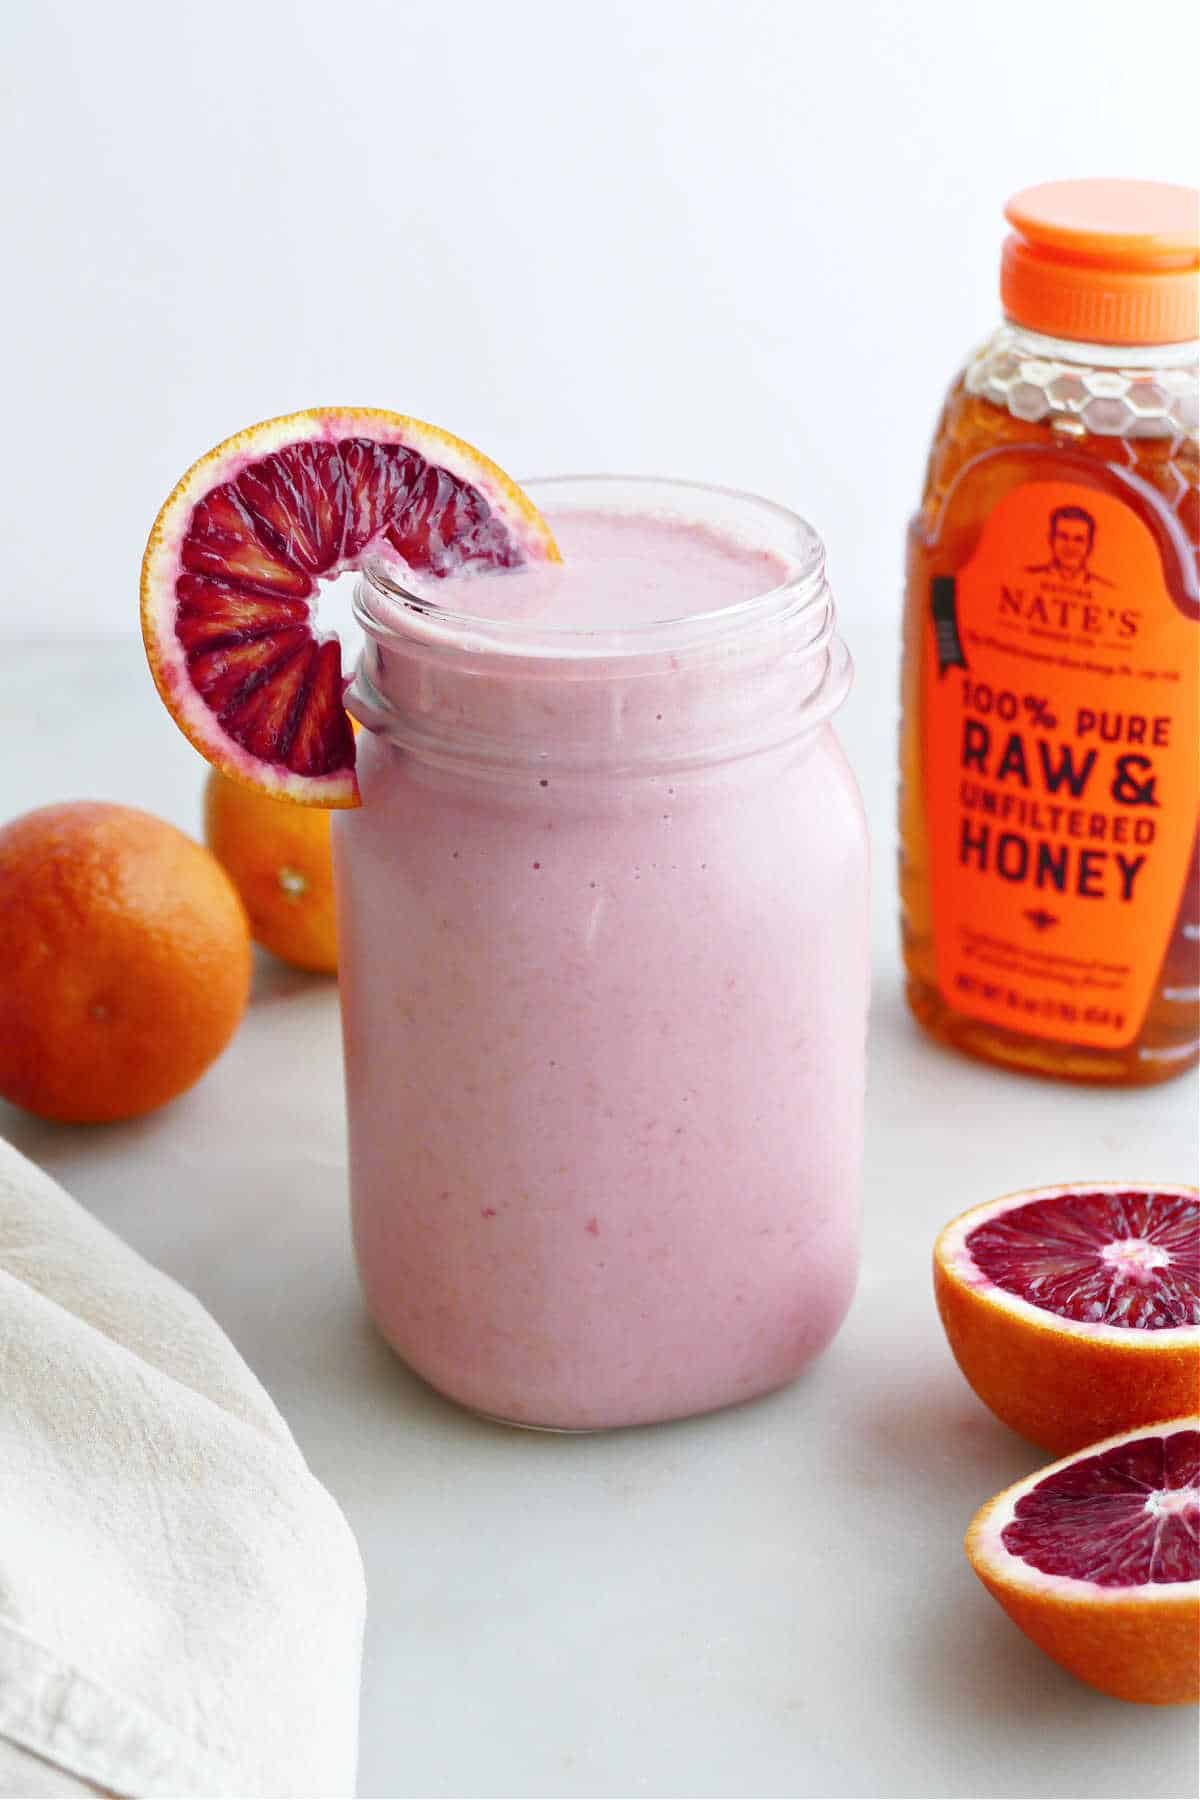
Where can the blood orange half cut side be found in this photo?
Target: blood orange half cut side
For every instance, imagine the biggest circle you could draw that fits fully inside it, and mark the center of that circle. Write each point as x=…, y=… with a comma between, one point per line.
x=1097, y=1559
x=1074, y=1312
x=241, y=546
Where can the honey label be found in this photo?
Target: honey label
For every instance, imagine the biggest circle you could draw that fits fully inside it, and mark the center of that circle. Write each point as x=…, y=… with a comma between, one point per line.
x=1062, y=780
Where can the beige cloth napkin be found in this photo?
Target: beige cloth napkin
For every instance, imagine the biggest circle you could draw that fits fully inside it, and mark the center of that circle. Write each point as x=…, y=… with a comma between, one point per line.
x=181, y=1602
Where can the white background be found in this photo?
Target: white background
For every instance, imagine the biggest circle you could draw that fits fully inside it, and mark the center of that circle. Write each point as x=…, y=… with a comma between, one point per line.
x=743, y=242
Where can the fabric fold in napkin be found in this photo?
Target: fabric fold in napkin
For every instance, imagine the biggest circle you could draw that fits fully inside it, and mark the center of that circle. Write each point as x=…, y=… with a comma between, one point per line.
x=181, y=1602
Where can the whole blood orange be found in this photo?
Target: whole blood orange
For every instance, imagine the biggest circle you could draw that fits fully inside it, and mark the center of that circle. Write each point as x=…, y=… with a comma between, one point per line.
x=125, y=961
x=1074, y=1312
x=278, y=858
x=1097, y=1559
x=239, y=550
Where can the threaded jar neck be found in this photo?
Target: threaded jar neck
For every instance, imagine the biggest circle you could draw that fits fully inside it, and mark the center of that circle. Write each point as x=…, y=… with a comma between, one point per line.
x=692, y=688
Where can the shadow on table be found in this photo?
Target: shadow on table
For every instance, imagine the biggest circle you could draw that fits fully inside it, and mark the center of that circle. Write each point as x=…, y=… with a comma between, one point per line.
x=54, y=1146
x=946, y=1456
x=277, y=982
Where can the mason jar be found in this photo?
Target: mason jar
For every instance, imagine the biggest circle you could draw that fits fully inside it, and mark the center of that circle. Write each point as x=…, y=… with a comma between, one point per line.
x=604, y=966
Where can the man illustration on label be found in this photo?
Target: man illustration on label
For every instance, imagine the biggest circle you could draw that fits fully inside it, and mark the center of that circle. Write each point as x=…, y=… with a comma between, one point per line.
x=1072, y=537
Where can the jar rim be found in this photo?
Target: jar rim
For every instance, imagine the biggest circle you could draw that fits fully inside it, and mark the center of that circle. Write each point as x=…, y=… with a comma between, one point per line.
x=804, y=589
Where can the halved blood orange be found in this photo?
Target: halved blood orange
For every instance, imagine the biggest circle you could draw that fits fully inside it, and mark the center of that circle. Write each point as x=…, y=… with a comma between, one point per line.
x=1074, y=1312
x=1097, y=1559
x=241, y=546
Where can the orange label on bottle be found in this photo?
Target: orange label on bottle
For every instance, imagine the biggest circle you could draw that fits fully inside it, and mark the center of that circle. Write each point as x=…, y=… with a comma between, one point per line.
x=1061, y=774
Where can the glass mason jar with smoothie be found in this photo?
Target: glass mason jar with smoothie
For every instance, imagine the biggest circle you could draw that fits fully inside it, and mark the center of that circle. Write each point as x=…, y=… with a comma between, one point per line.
x=602, y=897
x=603, y=926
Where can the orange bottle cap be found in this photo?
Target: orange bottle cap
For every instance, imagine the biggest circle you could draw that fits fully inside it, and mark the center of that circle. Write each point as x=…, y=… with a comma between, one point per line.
x=1111, y=262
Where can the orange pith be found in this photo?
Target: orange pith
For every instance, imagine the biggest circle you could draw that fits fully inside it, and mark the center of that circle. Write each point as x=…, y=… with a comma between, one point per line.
x=237, y=555
x=1061, y=1382
x=125, y=958
x=1139, y=1641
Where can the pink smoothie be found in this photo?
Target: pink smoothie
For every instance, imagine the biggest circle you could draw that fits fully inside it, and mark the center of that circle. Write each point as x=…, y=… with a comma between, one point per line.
x=618, y=570
x=602, y=922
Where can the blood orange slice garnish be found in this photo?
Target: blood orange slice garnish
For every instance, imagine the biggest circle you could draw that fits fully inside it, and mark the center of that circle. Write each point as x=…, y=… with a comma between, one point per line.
x=1097, y=1559
x=1074, y=1312
x=238, y=553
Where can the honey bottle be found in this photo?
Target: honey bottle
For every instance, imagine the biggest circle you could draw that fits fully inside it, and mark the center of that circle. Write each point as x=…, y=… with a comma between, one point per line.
x=1050, y=752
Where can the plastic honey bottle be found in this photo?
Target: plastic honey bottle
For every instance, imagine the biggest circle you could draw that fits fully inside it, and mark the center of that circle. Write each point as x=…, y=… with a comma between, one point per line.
x=1050, y=753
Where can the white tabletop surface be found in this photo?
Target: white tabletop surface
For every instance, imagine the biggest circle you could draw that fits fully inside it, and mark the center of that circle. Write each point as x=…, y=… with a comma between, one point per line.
x=771, y=1601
